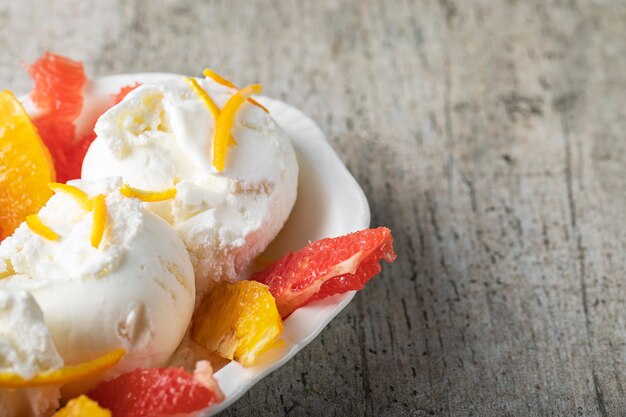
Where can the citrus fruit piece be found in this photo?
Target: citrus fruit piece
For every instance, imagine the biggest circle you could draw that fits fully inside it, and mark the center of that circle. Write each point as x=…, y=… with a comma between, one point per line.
x=159, y=392
x=237, y=321
x=82, y=407
x=65, y=375
x=124, y=92
x=25, y=166
x=327, y=267
x=59, y=83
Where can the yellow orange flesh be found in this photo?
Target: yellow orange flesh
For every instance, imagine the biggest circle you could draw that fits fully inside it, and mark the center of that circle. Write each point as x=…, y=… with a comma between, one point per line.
x=226, y=121
x=148, y=196
x=25, y=166
x=238, y=321
x=82, y=406
x=64, y=375
x=221, y=80
x=98, y=204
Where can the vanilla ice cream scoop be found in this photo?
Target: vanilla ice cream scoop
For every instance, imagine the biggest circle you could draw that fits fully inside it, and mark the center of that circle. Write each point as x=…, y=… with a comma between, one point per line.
x=135, y=291
x=161, y=136
x=26, y=348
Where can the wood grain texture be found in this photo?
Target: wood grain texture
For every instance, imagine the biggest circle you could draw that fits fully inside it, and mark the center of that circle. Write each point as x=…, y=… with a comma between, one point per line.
x=489, y=136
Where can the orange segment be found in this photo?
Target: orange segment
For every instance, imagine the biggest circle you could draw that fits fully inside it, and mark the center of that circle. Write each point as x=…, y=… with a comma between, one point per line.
x=76, y=193
x=35, y=224
x=148, y=196
x=221, y=80
x=238, y=321
x=64, y=375
x=98, y=204
x=25, y=166
x=226, y=121
x=82, y=406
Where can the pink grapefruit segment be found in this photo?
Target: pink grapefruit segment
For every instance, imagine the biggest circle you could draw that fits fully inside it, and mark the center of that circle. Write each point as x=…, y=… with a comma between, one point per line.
x=159, y=392
x=59, y=83
x=327, y=267
x=124, y=92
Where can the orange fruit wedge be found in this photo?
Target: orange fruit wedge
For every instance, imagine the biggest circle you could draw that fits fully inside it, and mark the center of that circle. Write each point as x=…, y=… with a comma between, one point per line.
x=25, y=166
x=64, y=375
x=238, y=321
x=82, y=406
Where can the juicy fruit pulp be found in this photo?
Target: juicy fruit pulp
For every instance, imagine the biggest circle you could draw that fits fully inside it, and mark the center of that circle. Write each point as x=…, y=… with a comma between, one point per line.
x=25, y=166
x=58, y=94
x=238, y=321
x=158, y=392
x=82, y=407
x=59, y=83
x=327, y=267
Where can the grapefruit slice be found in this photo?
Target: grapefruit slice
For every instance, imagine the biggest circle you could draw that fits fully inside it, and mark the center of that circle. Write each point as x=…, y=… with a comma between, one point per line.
x=25, y=166
x=159, y=392
x=59, y=83
x=82, y=407
x=124, y=92
x=238, y=321
x=327, y=267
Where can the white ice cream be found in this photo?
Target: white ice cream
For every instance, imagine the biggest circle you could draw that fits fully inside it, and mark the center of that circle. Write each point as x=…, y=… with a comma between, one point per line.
x=26, y=348
x=160, y=136
x=136, y=291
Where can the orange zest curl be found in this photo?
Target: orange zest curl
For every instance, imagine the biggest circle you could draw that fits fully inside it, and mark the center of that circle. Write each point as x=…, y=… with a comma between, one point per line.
x=98, y=204
x=226, y=121
x=36, y=225
x=206, y=99
x=204, y=96
x=221, y=80
x=64, y=375
x=76, y=193
x=148, y=196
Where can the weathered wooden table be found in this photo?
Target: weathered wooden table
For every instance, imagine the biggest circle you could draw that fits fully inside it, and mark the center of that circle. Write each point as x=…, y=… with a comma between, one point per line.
x=489, y=135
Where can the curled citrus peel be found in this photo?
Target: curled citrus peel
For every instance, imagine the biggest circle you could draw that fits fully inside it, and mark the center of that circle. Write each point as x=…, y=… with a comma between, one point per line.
x=148, y=196
x=221, y=80
x=226, y=121
x=98, y=204
x=35, y=224
x=64, y=375
x=206, y=99
x=76, y=193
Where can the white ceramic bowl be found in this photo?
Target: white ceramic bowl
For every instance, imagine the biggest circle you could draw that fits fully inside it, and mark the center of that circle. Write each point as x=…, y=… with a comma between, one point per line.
x=330, y=203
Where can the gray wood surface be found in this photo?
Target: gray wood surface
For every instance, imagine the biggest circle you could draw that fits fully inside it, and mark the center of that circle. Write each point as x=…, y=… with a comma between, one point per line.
x=488, y=135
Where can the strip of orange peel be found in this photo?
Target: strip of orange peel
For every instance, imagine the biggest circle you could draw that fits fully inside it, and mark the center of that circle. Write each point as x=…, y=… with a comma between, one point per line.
x=195, y=86
x=226, y=121
x=36, y=225
x=64, y=375
x=98, y=204
x=148, y=196
x=207, y=100
x=221, y=80
x=76, y=193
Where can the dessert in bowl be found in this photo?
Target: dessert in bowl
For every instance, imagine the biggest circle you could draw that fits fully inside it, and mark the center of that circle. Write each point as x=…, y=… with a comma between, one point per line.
x=223, y=217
